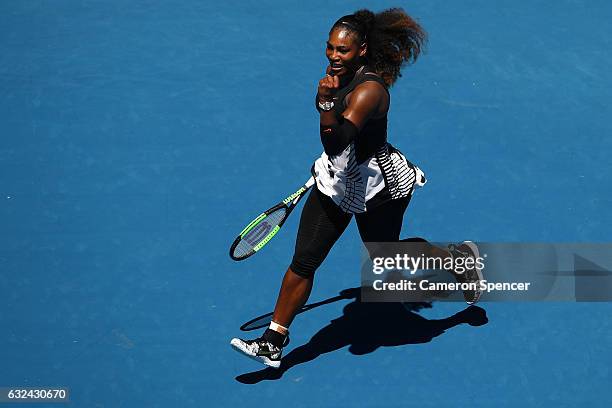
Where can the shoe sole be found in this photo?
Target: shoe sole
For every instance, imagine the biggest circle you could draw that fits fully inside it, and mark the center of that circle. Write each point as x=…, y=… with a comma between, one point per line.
x=237, y=345
x=474, y=248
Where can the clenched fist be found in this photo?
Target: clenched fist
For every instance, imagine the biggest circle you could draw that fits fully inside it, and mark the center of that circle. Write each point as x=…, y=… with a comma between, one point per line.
x=328, y=86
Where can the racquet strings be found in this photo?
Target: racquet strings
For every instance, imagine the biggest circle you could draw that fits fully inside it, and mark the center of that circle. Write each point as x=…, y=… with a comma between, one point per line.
x=258, y=233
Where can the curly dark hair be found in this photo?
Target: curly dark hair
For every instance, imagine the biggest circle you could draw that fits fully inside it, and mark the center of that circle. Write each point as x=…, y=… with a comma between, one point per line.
x=394, y=39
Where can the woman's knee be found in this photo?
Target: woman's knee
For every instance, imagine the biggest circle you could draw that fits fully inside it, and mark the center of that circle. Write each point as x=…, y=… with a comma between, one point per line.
x=305, y=265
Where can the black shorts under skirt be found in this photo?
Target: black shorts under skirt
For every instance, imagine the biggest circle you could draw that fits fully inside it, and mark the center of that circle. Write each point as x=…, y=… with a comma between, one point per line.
x=322, y=222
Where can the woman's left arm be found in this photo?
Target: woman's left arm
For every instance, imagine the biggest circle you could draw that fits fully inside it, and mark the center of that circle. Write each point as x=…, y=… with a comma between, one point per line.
x=365, y=102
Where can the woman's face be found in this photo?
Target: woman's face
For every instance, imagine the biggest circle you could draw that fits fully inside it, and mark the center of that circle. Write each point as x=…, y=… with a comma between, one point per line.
x=343, y=52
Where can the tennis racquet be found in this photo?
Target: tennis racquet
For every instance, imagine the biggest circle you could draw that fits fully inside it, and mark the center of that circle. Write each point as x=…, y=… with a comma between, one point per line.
x=263, y=228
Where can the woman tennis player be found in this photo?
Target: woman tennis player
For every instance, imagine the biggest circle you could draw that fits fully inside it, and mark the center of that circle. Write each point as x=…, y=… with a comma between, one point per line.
x=358, y=173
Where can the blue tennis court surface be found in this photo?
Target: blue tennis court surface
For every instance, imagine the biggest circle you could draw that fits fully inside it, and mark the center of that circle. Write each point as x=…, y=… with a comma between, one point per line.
x=138, y=138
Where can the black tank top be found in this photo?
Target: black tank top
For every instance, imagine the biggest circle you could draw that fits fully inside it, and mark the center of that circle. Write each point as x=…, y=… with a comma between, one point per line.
x=373, y=134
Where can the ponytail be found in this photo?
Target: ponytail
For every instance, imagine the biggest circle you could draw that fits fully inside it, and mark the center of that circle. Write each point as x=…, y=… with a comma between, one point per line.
x=394, y=39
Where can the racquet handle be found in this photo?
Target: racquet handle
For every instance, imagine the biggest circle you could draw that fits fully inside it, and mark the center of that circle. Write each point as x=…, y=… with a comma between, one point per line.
x=310, y=182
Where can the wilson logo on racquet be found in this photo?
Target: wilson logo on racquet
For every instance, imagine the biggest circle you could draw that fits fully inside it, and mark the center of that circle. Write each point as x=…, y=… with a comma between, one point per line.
x=263, y=228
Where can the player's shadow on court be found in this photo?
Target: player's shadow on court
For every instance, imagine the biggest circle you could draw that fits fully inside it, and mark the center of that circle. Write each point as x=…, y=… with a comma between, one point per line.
x=365, y=327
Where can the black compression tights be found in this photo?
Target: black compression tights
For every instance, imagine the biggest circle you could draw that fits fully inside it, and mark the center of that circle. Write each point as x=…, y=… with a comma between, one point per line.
x=323, y=222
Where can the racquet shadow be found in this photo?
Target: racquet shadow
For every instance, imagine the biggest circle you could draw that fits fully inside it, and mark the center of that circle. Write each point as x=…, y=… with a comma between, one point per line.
x=364, y=327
